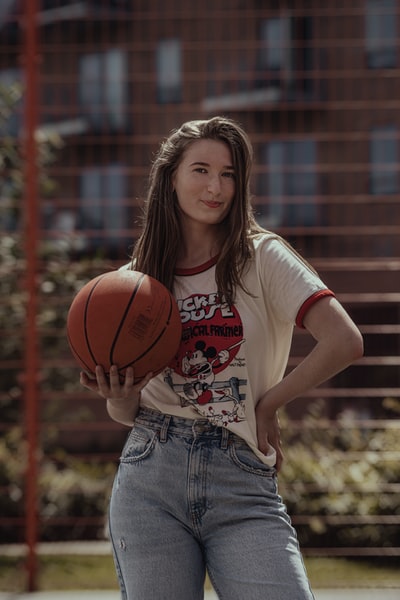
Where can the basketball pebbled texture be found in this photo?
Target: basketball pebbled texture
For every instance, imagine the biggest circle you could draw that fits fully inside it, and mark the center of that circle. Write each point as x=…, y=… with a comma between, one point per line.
x=124, y=318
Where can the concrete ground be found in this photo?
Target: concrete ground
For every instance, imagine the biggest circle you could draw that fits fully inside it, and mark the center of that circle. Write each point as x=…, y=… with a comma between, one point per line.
x=104, y=548
x=337, y=594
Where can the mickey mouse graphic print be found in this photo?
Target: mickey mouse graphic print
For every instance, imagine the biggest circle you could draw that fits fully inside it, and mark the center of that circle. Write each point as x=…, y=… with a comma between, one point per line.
x=211, y=342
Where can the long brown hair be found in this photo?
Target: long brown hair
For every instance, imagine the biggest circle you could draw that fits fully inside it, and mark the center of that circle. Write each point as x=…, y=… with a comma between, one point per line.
x=156, y=249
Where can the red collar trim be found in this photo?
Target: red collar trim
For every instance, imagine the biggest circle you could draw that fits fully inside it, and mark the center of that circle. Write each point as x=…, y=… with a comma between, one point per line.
x=196, y=270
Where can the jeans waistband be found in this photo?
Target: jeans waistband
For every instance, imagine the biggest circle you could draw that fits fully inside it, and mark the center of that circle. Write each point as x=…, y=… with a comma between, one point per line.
x=164, y=423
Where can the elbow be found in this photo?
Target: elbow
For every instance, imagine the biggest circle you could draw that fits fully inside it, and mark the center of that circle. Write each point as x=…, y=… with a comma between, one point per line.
x=355, y=344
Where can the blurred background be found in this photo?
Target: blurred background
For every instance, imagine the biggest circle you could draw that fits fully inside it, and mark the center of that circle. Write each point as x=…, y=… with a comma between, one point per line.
x=88, y=89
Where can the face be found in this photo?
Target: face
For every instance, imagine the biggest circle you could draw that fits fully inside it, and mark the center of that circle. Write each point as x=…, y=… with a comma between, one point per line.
x=204, y=182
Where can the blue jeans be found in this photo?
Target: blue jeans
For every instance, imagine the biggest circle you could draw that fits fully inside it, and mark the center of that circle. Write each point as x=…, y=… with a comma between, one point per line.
x=190, y=497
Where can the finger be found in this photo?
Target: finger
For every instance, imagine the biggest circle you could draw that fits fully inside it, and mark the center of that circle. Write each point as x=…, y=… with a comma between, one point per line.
x=103, y=386
x=143, y=382
x=279, y=459
x=274, y=440
x=114, y=381
x=129, y=378
x=87, y=381
x=88, y=376
x=262, y=439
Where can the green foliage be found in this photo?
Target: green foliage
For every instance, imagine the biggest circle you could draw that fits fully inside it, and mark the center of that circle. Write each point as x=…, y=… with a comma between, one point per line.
x=72, y=493
x=339, y=479
x=75, y=493
x=13, y=297
x=68, y=487
x=12, y=161
x=12, y=466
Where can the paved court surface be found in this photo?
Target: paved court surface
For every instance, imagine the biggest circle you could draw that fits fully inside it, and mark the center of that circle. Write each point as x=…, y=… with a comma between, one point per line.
x=320, y=594
x=104, y=548
x=339, y=594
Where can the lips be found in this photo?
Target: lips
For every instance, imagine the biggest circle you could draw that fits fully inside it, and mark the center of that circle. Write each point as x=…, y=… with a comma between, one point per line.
x=212, y=203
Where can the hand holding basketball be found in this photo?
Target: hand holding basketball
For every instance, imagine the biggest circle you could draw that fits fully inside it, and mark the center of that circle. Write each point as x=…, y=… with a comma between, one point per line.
x=122, y=397
x=112, y=386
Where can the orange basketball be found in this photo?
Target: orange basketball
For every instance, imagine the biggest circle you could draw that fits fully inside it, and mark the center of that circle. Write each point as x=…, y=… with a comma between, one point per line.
x=124, y=318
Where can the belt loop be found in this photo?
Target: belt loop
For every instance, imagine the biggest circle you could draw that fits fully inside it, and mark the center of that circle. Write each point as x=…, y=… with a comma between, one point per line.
x=164, y=428
x=224, y=438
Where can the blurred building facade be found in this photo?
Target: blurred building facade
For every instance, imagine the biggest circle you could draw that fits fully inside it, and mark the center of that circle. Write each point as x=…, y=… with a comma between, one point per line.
x=315, y=84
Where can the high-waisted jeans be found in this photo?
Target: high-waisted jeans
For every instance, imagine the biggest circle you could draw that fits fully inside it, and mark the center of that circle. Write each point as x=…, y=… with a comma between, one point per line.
x=190, y=497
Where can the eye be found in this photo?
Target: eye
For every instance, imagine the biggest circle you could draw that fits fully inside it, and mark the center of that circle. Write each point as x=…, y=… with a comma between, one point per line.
x=229, y=175
x=200, y=170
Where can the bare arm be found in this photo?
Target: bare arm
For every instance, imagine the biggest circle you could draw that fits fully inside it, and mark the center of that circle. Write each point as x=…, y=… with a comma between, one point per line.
x=122, y=398
x=339, y=343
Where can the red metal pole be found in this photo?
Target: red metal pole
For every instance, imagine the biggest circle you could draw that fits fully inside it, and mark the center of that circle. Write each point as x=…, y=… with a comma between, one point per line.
x=31, y=213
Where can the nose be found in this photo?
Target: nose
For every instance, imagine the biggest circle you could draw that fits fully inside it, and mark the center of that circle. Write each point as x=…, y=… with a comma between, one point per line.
x=214, y=185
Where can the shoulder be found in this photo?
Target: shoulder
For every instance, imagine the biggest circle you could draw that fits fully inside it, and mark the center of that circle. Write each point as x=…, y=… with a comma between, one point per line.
x=280, y=267
x=272, y=248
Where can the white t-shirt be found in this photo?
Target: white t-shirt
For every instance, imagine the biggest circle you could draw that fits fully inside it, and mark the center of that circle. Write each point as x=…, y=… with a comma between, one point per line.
x=229, y=357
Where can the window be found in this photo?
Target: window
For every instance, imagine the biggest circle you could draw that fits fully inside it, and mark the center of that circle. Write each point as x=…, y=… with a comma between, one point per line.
x=99, y=4
x=275, y=44
x=285, y=54
x=103, y=89
x=5, y=10
x=103, y=212
x=11, y=101
x=169, y=71
x=11, y=107
x=381, y=33
x=290, y=173
x=9, y=20
x=384, y=158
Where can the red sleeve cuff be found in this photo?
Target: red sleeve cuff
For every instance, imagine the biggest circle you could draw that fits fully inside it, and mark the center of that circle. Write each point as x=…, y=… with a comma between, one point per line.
x=309, y=303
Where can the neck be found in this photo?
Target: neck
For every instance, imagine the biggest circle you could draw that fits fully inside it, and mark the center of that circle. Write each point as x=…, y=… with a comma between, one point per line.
x=197, y=248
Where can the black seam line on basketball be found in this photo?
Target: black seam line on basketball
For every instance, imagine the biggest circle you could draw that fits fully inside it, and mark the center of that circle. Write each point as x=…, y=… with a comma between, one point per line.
x=77, y=355
x=122, y=320
x=155, y=341
x=85, y=318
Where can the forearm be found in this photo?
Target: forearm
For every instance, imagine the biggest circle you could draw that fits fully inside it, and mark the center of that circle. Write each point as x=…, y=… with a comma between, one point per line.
x=339, y=344
x=322, y=363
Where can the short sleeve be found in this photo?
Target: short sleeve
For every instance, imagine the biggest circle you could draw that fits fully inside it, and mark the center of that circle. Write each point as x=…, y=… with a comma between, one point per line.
x=288, y=281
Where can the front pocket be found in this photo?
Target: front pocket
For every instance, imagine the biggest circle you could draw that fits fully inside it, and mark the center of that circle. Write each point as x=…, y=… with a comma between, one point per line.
x=139, y=445
x=244, y=458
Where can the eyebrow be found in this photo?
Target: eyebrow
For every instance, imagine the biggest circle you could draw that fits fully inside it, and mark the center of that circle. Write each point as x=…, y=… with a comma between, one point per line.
x=205, y=164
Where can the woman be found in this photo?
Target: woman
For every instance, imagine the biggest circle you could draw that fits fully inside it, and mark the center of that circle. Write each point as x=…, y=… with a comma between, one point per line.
x=196, y=487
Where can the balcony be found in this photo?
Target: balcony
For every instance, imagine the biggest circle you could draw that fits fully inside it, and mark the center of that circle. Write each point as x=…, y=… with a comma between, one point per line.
x=248, y=100
x=262, y=88
x=55, y=11
x=52, y=12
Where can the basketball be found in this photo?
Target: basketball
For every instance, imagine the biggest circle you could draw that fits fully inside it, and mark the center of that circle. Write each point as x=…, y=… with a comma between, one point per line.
x=124, y=318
